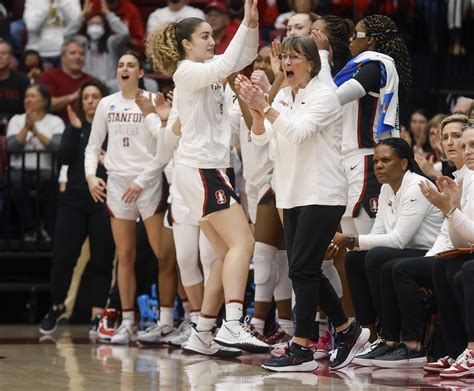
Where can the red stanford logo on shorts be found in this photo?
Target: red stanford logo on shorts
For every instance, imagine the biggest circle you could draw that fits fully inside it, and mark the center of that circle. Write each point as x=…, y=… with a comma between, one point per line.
x=220, y=197
x=374, y=204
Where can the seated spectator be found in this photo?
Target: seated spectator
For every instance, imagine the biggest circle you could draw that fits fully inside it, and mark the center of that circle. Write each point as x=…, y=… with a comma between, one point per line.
x=452, y=277
x=12, y=86
x=297, y=6
x=173, y=12
x=418, y=123
x=32, y=65
x=129, y=14
x=407, y=135
x=224, y=29
x=431, y=163
x=46, y=22
x=65, y=81
x=406, y=225
x=36, y=130
x=106, y=34
x=463, y=105
x=402, y=322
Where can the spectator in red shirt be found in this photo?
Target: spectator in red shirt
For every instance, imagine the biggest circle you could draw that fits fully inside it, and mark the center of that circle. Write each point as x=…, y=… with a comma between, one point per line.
x=64, y=82
x=130, y=15
x=224, y=29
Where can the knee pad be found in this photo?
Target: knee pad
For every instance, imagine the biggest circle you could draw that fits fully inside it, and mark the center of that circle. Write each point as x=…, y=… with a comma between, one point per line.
x=207, y=255
x=264, y=271
x=283, y=287
x=330, y=271
x=187, y=253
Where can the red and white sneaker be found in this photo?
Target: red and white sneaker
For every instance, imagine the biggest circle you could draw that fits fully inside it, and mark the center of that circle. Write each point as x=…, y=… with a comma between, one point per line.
x=108, y=324
x=463, y=367
x=440, y=365
x=324, y=345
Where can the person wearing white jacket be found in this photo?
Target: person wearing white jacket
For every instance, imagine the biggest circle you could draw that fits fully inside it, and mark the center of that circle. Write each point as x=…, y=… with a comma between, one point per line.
x=46, y=23
x=305, y=122
x=185, y=50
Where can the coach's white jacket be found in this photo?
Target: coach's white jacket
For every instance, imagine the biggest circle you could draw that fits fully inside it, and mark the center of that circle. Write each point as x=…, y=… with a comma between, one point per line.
x=308, y=159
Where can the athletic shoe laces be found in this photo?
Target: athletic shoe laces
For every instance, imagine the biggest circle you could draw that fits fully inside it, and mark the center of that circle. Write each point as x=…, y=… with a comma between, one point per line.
x=464, y=357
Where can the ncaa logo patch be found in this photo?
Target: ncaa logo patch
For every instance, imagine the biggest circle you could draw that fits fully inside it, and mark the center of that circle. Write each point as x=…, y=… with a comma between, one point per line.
x=112, y=107
x=220, y=197
x=374, y=204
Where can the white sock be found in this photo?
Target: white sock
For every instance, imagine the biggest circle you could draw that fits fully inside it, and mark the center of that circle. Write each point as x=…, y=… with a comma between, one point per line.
x=166, y=316
x=287, y=326
x=205, y=324
x=194, y=316
x=128, y=317
x=186, y=309
x=258, y=324
x=233, y=311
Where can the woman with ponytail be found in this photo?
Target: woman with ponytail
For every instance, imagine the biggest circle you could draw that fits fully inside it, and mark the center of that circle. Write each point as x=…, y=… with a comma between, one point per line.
x=185, y=50
x=406, y=225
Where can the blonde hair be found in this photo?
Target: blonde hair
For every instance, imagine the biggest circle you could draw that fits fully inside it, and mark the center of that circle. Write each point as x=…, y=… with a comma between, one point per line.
x=164, y=46
x=452, y=118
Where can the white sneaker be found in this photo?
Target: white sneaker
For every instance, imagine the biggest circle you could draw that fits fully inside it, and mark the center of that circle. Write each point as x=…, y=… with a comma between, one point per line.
x=238, y=335
x=182, y=334
x=123, y=335
x=202, y=342
x=157, y=334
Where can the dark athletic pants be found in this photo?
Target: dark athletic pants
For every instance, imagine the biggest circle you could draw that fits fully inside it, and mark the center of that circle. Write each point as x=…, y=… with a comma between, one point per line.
x=308, y=232
x=364, y=275
x=75, y=221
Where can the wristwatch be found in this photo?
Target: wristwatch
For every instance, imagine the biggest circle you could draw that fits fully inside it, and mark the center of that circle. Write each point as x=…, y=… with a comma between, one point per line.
x=350, y=242
x=266, y=109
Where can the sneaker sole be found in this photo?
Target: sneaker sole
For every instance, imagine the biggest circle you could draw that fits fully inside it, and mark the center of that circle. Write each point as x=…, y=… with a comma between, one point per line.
x=434, y=370
x=242, y=346
x=48, y=332
x=219, y=353
x=309, y=366
x=363, y=362
x=320, y=355
x=457, y=375
x=411, y=363
x=361, y=341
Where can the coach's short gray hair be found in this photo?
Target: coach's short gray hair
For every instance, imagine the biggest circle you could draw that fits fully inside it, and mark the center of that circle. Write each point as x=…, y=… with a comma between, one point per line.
x=77, y=39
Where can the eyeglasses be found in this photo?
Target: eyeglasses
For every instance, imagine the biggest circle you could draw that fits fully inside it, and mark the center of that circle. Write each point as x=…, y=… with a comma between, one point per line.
x=467, y=126
x=292, y=57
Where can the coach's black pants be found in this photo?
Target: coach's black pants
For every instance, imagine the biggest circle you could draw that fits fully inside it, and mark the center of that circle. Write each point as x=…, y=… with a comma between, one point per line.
x=448, y=287
x=364, y=270
x=308, y=232
x=463, y=285
x=76, y=219
x=402, y=305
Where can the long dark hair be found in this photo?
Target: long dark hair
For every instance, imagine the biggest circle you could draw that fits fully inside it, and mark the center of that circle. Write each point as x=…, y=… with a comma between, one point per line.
x=104, y=91
x=403, y=151
x=102, y=43
x=389, y=42
x=340, y=31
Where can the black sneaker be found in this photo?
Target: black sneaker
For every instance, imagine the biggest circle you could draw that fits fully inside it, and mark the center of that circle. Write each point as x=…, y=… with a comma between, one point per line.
x=376, y=349
x=349, y=343
x=401, y=357
x=94, y=326
x=51, y=319
x=296, y=359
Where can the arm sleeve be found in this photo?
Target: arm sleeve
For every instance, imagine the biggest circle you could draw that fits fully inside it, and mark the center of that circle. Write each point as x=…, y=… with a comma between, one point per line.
x=14, y=127
x=96, y=139
x=121, y=33
x=463, y=221
x=320, y=111
x=413, y=210
x=69, y=145
x=74, y=26
x=63, y=173
x=58, y=129
x=35, y=14
x=442, y=243
x=241, y=51
x=325, y=72
x=70, y=10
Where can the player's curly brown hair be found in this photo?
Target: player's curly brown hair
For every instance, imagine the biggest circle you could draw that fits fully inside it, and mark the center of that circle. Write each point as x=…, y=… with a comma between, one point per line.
x=164, y=46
